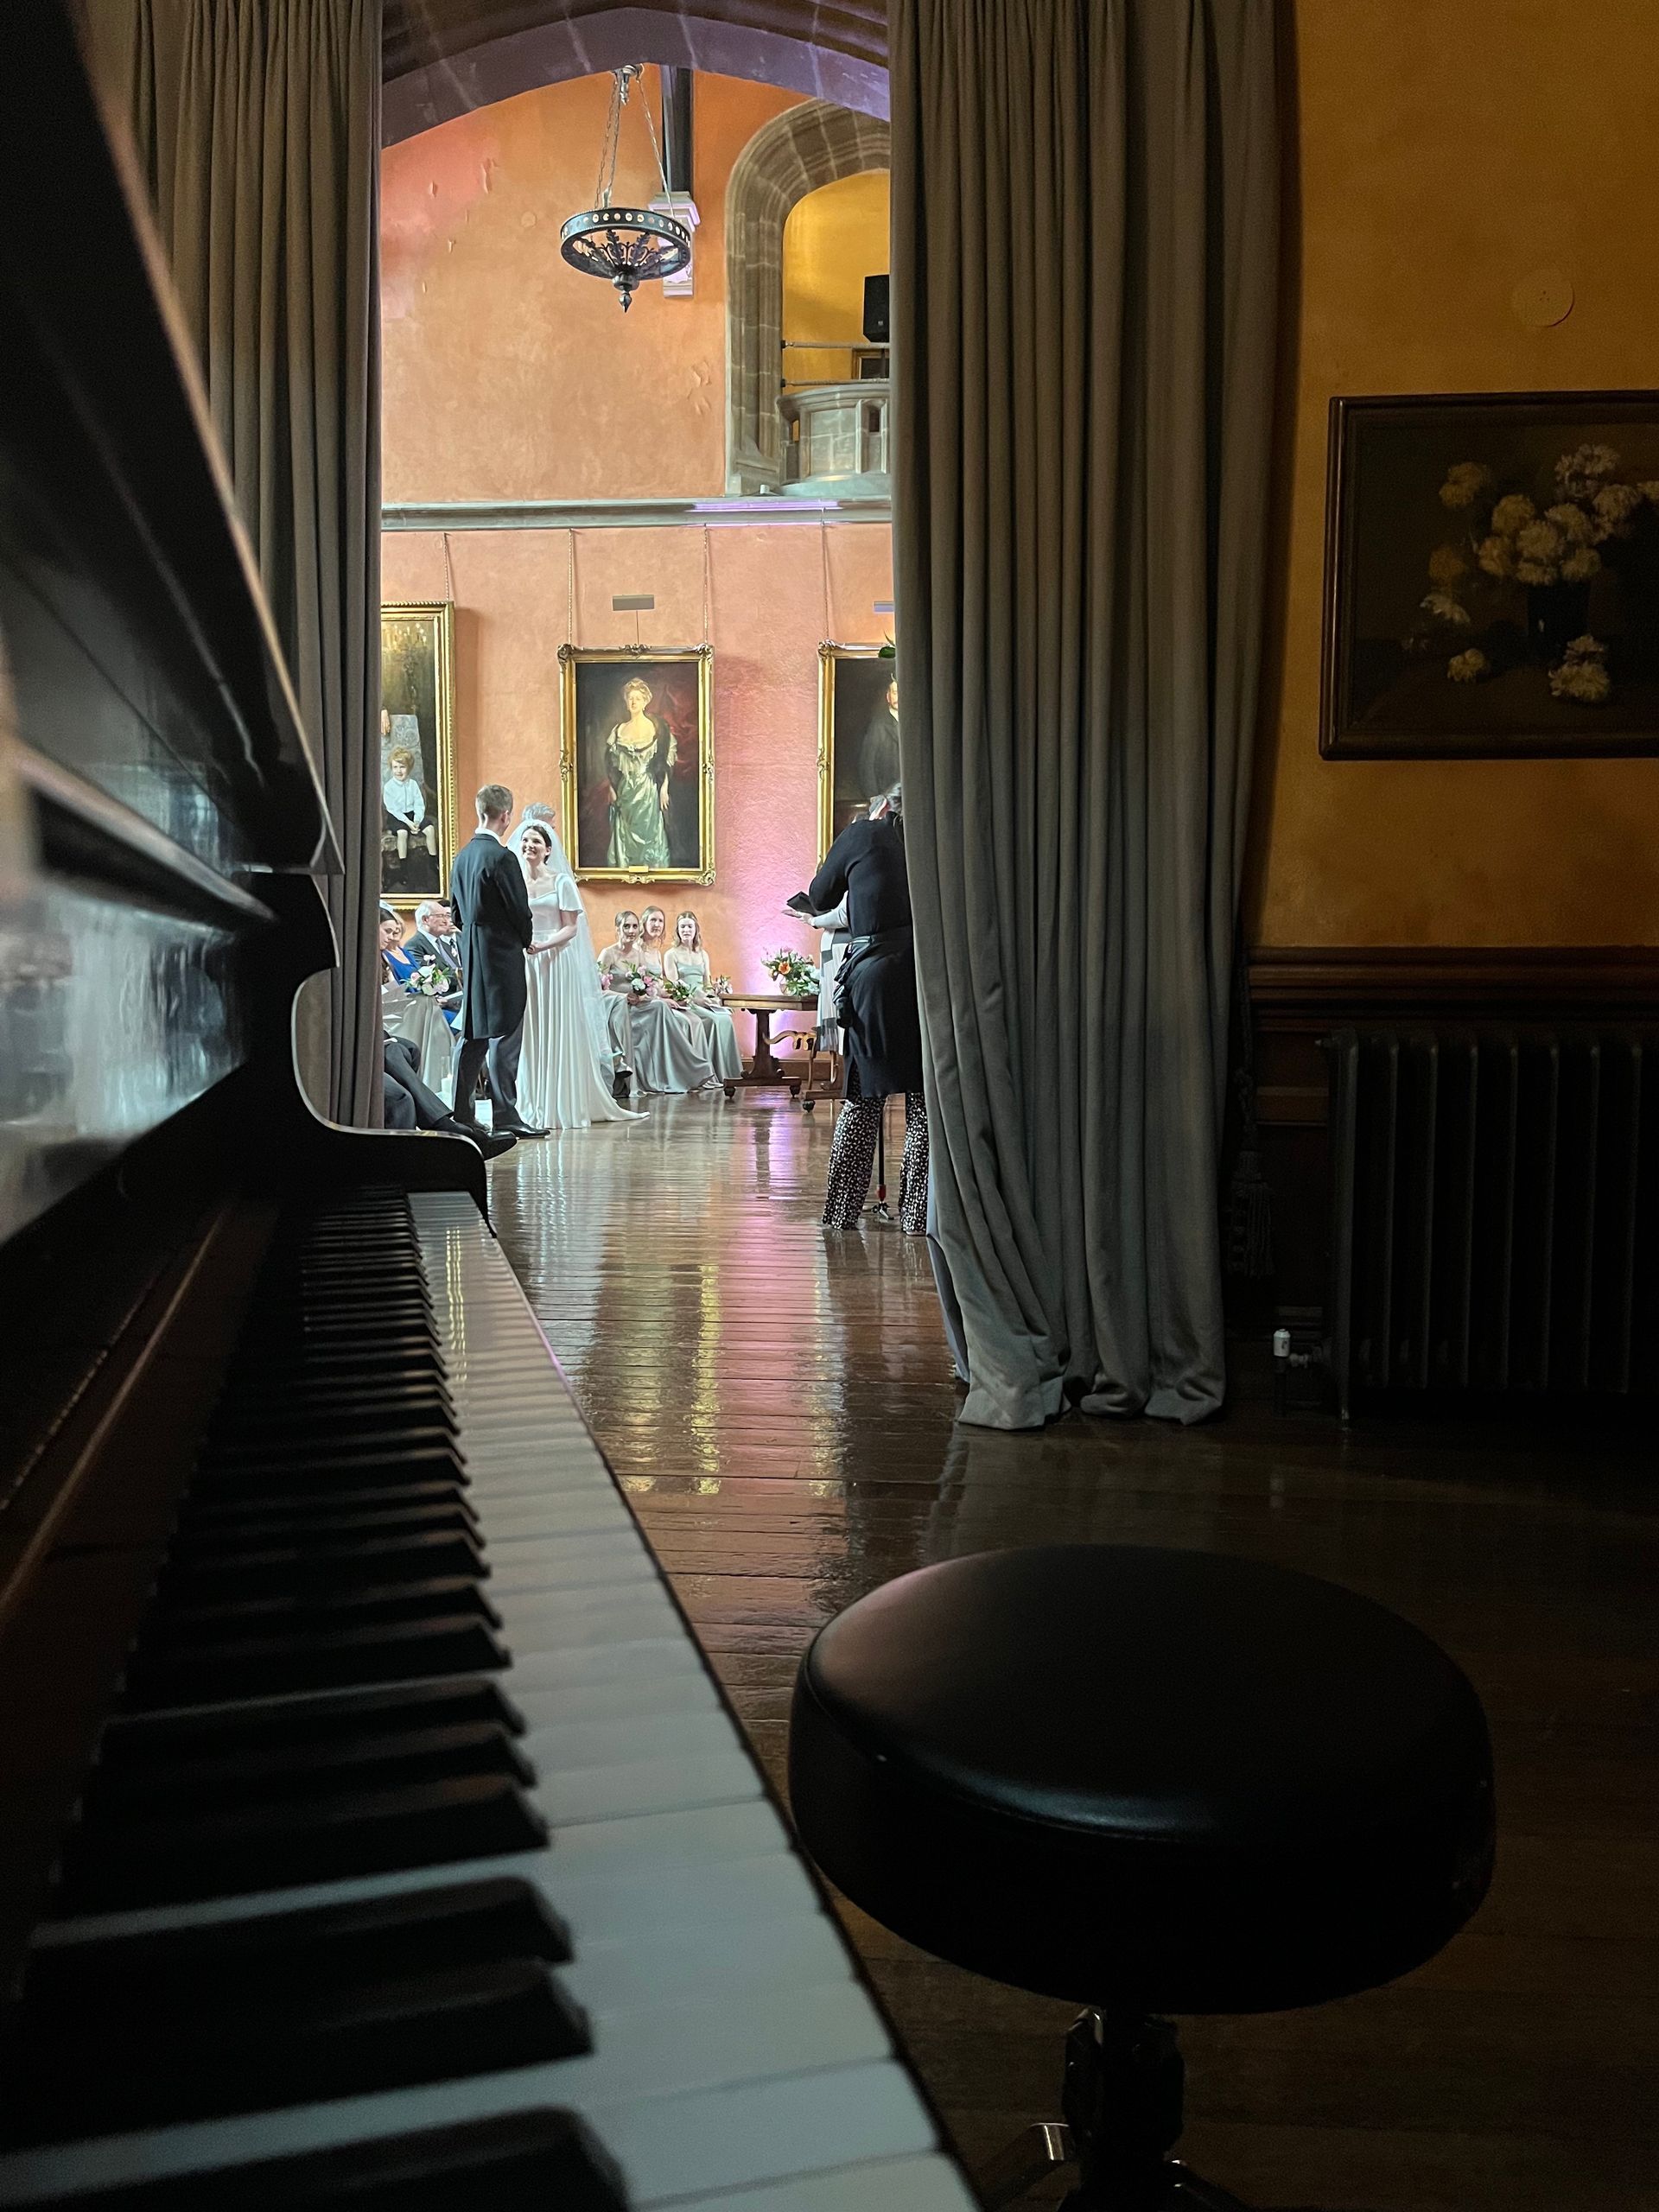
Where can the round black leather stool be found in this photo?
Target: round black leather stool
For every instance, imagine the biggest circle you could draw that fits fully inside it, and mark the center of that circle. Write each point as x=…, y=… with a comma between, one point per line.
x=1154, y=1780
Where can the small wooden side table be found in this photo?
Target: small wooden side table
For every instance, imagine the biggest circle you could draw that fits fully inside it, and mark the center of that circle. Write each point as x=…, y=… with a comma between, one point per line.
x=765, y=1070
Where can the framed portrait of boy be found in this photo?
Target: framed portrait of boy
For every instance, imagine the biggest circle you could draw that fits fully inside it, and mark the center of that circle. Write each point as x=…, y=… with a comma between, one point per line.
x=416, y=752
x=639, y=762
x=858, y=734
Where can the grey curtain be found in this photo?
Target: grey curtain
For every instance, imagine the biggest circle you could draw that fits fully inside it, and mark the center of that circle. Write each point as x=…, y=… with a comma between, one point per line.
x=257, y=127
x=1084, y=260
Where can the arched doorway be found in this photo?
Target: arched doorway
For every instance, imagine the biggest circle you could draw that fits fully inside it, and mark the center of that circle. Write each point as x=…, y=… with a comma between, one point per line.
x=814, y=144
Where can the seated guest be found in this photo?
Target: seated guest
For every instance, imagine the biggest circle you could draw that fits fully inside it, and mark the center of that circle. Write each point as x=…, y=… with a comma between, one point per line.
x=410, y=1104
x=436, y=939
x=685, y=962
x=669, y=1055
x=407, y=1013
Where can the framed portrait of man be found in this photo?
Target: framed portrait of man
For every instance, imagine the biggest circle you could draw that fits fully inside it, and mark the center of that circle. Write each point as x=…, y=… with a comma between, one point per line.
x=858, y=734
x=417, y=781
x=638, y=762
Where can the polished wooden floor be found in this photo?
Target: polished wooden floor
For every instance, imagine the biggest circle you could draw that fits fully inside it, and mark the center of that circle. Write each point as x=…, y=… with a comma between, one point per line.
x=778, y=1405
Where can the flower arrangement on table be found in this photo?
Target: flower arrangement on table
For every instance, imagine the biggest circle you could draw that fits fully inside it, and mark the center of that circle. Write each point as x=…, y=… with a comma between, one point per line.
x=1535, y=555
x=432, y=980
x=793, y=973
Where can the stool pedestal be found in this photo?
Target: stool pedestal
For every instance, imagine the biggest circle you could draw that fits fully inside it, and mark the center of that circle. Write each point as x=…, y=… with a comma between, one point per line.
x=1122, y=2101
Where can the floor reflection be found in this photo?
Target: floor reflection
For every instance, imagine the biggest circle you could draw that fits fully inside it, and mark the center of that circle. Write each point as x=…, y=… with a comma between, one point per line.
x=778, y=1403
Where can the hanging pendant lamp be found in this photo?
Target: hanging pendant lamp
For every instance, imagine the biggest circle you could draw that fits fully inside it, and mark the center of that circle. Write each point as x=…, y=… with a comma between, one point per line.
x=627, y=247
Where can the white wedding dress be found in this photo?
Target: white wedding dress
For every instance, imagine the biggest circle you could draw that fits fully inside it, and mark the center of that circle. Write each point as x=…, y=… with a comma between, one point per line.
x=566, y=1068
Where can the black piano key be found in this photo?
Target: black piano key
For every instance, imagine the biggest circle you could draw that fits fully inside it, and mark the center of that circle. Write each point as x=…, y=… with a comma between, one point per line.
x=366, y=1466
x=70, y=1989
x=325, y=1562
x=258, y=2048
x=536, y=2161
x=257, y=1667
x=280, y=1776
x=115, y=1865
x=207, y=1511
x=180, y=1627
x=291, y=1427
x=341, y=1717
x=329, y=1524
x=417, y=1361
x=249, y=1454
x=272, y=1409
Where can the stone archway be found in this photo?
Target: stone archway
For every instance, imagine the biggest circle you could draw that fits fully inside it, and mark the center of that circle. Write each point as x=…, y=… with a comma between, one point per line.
x=807, y=146
x=444, y=58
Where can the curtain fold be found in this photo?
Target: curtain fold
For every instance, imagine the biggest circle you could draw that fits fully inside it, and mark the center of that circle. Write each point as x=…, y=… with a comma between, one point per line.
x=1084, y=258
x=257, y=129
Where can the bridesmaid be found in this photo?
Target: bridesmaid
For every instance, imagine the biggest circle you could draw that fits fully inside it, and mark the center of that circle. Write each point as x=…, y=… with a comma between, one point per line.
x=669, y=1054
x=686, y=962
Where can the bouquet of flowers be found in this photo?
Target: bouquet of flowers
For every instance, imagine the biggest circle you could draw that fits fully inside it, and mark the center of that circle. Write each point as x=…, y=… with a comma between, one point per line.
x=432, y=980
x=793, y=973
x=1531, y=552
x=632, y=981
x=720, y=986
x=676, y=993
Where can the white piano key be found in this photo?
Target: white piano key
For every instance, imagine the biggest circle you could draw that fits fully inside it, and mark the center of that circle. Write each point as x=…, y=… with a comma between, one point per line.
x=926, y=2184
x=709, y=2064
x=670, y=1785
x=573, y=1747
x=657, y=1696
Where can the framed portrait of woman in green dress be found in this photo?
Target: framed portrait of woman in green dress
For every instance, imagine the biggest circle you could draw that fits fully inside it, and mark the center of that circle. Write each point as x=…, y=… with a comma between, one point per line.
x=639, y=766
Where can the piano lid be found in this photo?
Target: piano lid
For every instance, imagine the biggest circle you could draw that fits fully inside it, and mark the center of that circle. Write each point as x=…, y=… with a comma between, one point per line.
x=142, y=653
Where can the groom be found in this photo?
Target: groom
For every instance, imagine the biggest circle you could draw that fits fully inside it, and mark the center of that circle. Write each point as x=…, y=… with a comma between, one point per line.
x=491, y=909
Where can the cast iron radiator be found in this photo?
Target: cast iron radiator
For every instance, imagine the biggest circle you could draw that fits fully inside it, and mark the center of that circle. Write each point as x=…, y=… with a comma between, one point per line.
x=1495, y=1210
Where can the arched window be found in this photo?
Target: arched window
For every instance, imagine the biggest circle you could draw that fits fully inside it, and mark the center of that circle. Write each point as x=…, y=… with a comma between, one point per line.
x=806, y=146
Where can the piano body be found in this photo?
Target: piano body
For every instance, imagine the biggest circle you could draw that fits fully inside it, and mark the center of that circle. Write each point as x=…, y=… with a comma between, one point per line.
x=372, y=1830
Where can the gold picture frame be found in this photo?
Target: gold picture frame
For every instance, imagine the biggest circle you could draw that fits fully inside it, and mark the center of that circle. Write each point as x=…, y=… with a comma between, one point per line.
x=417, y=717
x=852, y=704
x=609, y=835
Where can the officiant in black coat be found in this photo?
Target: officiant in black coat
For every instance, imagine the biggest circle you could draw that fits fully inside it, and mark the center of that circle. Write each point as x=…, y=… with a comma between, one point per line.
x=491, y=904
x=876, y=1003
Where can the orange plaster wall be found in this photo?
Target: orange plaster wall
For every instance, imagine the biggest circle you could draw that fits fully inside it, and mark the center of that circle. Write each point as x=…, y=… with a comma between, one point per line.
x=508, y=375
x=1446, y=153
x=767, y=596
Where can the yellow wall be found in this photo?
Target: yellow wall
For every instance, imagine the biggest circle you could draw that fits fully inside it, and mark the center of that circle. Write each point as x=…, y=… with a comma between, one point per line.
x=1447, y=153
x=508, y=375
x=833, y=240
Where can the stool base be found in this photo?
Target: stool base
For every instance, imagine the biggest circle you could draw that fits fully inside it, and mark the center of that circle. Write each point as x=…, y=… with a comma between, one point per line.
x=1122, y=2096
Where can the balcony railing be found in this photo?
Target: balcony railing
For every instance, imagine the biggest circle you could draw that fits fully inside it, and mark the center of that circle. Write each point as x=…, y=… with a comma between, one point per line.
x=836, y=440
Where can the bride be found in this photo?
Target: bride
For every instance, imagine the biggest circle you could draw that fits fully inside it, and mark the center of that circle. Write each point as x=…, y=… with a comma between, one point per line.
x=564, y=1074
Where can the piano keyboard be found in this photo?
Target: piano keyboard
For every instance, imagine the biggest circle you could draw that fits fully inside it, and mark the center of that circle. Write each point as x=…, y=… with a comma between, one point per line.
x=421, y=1866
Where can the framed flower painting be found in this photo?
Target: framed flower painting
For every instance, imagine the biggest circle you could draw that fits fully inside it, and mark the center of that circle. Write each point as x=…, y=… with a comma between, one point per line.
x=1492, y=576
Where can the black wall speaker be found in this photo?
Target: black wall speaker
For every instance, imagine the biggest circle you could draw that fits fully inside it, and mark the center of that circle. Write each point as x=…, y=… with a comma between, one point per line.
x=876, y=310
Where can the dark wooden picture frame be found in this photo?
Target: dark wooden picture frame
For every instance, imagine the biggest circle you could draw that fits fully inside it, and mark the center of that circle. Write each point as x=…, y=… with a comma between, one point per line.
x=1492, y=576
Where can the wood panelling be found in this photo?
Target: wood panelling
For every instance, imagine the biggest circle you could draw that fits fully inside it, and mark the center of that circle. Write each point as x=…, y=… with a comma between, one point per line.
x=1300, y=993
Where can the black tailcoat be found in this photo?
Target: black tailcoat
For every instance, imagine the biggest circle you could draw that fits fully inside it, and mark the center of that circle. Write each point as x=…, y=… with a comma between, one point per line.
x=491, y=904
